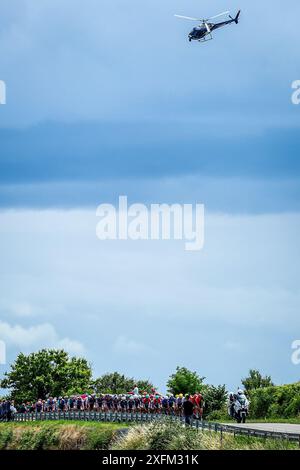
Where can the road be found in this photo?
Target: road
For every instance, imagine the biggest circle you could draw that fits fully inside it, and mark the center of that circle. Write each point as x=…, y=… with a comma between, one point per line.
x=273, y=427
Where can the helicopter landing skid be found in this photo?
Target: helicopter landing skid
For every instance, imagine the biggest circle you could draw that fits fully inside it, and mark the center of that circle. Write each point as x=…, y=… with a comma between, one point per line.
x=206, y=38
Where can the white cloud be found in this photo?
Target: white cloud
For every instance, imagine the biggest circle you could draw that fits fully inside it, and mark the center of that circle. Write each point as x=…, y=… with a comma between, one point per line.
x=37, y=337
x=124, y=345
x=21, y=309
x=15, y=307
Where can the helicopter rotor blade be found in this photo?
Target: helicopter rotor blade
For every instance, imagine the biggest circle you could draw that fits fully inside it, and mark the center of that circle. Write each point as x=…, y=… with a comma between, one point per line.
x=217, y=16
x=207, y=27
x=187, y=18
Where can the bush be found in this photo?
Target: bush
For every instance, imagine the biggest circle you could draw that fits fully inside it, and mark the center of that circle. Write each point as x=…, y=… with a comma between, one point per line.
x=215, y=401
x=217, y=416
x=37, y=439
x=165, y=435
x=276, y=402
x=52, y=435
x=6, y=435
x=99, y=439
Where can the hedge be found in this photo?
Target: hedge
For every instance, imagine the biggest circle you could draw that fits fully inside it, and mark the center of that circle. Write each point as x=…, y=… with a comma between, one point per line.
x=276, y=402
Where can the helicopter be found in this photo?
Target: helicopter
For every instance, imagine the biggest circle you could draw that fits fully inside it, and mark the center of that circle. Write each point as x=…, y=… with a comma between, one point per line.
x=203, y=32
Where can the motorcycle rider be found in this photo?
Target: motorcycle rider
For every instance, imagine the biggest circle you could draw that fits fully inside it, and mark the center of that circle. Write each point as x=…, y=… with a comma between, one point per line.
x=241, y=396
x=236, y=401
x=241, y=403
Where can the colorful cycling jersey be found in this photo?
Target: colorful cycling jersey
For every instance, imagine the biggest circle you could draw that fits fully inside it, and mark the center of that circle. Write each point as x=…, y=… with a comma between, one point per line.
x=198, y=399
x=172, y=400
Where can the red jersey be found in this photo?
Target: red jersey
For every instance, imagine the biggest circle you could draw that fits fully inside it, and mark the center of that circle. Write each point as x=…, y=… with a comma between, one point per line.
x=198, y=399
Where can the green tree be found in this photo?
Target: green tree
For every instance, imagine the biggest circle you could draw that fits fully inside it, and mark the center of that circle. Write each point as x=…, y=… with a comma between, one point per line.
x=116, y=383
x=184, y=381
x=255, y=380
x=215, y=398
x=144, y=385
x=46, y=372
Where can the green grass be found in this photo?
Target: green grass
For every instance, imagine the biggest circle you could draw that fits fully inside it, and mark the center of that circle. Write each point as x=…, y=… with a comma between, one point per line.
x=173, y=436
x=75, y=435
x=65, y=435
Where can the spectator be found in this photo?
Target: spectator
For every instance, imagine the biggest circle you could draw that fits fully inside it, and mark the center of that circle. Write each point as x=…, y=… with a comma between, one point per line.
x=188, y=409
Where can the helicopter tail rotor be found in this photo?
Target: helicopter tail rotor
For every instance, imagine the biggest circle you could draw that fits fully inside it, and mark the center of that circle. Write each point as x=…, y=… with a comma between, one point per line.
x=236, y=19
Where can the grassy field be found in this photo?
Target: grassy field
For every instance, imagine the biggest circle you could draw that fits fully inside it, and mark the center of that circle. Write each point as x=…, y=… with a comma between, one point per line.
x=64, y=435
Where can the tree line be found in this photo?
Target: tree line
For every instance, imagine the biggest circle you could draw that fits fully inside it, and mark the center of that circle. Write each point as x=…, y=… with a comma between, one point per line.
x=51, y=372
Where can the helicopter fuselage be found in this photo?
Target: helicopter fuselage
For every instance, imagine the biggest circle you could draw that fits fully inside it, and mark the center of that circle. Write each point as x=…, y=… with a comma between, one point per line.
x=200, y=32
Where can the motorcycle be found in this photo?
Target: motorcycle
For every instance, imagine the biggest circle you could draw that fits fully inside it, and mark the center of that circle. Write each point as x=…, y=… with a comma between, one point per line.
x=239, y=409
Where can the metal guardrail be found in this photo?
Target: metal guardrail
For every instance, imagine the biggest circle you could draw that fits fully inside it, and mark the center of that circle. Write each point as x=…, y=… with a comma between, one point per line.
x=119, y=417
x=251, y=432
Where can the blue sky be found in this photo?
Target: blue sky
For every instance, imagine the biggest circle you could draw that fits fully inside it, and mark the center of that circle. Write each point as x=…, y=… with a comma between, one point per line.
x=109, y=98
